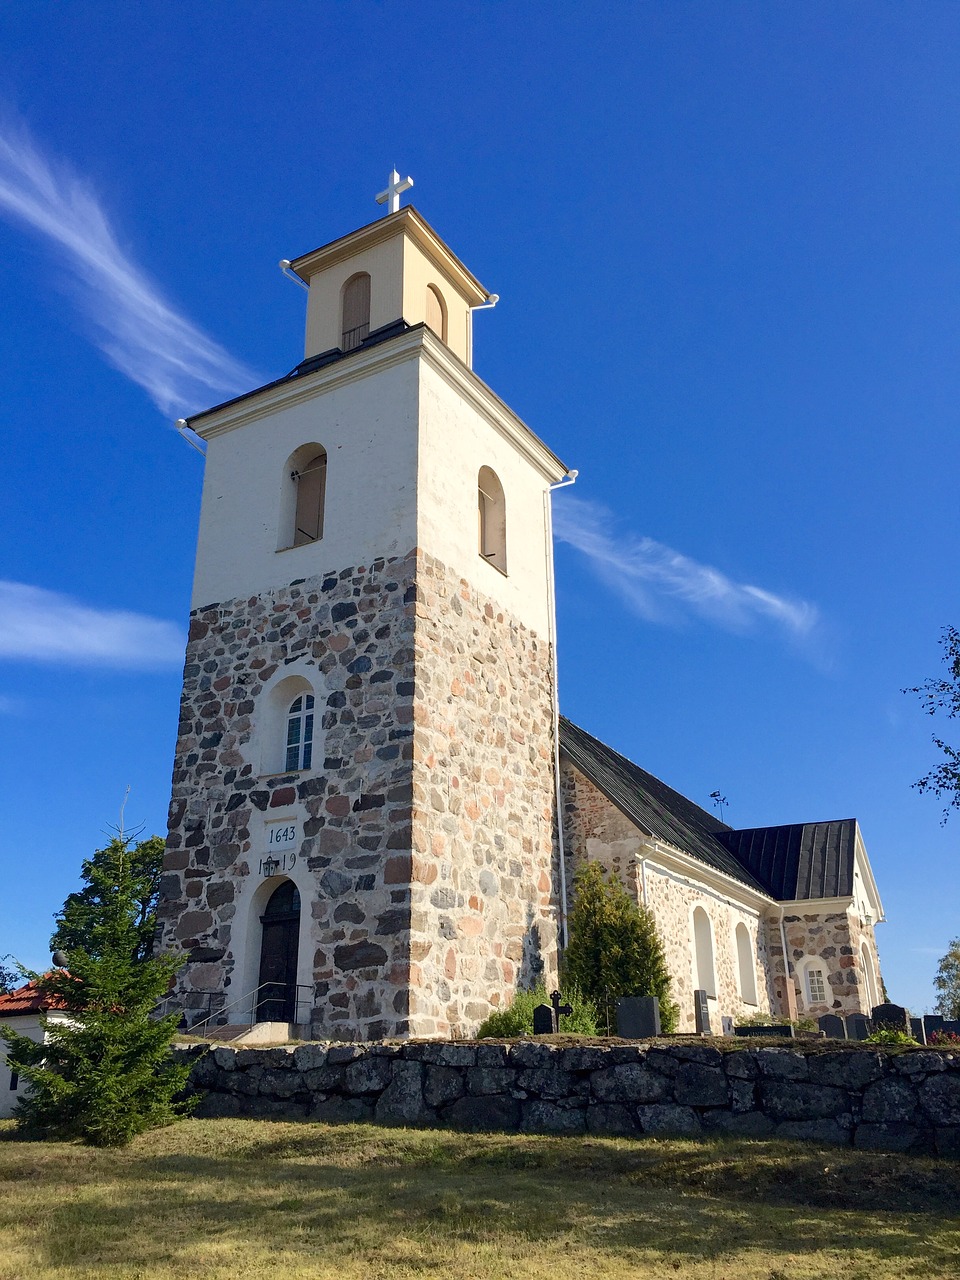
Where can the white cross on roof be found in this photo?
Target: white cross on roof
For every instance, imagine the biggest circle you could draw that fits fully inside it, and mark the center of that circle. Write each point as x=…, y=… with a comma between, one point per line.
x=395, y=186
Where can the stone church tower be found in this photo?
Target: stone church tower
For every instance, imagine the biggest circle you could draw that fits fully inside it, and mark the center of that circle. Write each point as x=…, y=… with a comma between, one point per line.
x=362, y=824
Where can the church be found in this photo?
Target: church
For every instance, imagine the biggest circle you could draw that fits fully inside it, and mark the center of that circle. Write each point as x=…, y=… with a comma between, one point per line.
x=377, y=809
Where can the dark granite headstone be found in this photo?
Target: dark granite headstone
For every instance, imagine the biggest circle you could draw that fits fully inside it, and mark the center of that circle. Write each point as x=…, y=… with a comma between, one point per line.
x=701, y=1012
x=783, y=1029
x=917, y=1030
x=543, y=1020
x=891, y=1017
x=932, y=1022
x=951, y=1026
x=638, y=1017
x=832, y=1026
x=859, y=1026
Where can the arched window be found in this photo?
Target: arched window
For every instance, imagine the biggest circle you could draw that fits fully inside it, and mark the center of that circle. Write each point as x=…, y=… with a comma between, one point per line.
x=355, y=311
x=745, y=965
x=492, y=518
x=703, y=949
x=300, y=733
x=814, y=986
x=436, y=312
x=311, y=482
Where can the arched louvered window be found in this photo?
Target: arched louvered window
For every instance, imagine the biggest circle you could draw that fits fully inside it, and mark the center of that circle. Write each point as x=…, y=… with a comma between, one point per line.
x=300, y=733
x=311, y=482
x=745, y=965
x=436, y=312
x=355, y=311
x=705, y=969
x=492, y=519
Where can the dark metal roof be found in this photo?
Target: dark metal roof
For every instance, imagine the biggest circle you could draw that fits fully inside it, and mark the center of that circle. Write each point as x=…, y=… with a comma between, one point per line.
x=651, y=804
x=802, y=860
x=310, y=365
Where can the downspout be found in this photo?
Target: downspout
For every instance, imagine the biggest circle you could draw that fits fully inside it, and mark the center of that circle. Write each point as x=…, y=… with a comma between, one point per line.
x=492, y=300
x=788, y=992
x=183, y=427
x=571, y=478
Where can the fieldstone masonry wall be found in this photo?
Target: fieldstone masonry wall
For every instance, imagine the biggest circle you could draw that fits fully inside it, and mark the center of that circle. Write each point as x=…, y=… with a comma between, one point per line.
x=483, y=849
x=424, y=841
x=865, y=1097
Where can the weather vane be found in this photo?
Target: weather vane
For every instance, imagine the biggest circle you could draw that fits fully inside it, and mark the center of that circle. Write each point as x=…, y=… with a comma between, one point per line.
x=719, y=801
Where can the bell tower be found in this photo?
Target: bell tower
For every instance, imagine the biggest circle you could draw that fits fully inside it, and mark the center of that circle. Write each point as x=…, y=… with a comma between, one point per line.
x=362, y=826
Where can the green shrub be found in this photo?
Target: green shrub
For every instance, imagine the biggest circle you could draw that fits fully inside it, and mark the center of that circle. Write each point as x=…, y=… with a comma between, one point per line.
x=889, y=1036
x=615, y=949
x=517, y=1019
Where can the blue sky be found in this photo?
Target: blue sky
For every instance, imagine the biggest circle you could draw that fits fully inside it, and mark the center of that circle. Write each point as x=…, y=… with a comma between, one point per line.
x=726, y=243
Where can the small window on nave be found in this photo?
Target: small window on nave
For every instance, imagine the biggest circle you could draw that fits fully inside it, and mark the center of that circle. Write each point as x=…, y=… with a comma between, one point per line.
x=816, y=986
x=745, y=965
x=492, y=519
x=355, y=311
x=704, y=969
x=299, y=753
x=311, y=482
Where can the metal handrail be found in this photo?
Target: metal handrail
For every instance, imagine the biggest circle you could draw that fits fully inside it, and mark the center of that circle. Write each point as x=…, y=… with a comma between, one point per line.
x=254, y=997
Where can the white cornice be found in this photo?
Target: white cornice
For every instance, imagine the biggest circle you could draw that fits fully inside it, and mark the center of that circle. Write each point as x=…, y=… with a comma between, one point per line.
x=816, y=906
x=407, y=221
x=416, y=343
x=691, y=868
x=486, y=402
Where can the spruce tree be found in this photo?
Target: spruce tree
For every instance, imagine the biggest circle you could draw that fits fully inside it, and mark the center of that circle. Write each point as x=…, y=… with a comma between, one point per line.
x=107, y=1073
x=614, y=947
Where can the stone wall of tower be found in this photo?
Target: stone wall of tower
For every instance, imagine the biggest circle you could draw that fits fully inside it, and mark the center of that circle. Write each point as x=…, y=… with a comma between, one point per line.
x=483, y=902
x=424, y=826
x=351, y=635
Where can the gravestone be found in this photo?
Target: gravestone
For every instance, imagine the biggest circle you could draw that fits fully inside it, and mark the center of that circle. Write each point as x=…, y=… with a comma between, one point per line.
x=917, y=1030
x=932, y=1022
x=559, y=1010
x=891, y=1017
x=638, y=1017
x=783, y=1029
x=701, y=1012
x=951, y=1026
x=543, y=1020
x=859, y=1026
x=726, y=1025
x=832, y=1026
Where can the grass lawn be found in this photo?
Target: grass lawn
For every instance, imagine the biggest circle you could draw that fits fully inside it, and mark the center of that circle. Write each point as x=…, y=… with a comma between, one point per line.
x=210, y=1199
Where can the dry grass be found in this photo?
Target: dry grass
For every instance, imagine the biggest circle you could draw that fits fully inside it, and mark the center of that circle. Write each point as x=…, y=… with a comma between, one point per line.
x=233, y=1198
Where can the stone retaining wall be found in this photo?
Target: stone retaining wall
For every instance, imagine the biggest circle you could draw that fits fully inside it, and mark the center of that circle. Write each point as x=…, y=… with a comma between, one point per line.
x=864, y=1097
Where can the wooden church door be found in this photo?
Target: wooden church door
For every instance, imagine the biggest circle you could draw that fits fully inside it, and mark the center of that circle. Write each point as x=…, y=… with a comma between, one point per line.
x=277, y=998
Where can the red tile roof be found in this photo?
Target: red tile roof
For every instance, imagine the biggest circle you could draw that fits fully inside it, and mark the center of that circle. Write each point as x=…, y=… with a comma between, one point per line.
x=28, y=999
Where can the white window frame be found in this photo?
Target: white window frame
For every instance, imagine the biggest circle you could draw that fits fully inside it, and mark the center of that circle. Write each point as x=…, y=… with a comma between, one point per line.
x=301, y=717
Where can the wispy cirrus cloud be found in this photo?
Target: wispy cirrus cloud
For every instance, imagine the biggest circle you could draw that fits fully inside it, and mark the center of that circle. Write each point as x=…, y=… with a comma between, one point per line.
x=137, y=329
x=37, y=625
x=662, y=585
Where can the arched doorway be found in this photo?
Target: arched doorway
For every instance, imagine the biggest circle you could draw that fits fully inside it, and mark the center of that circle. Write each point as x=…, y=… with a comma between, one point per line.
x=277, y=986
